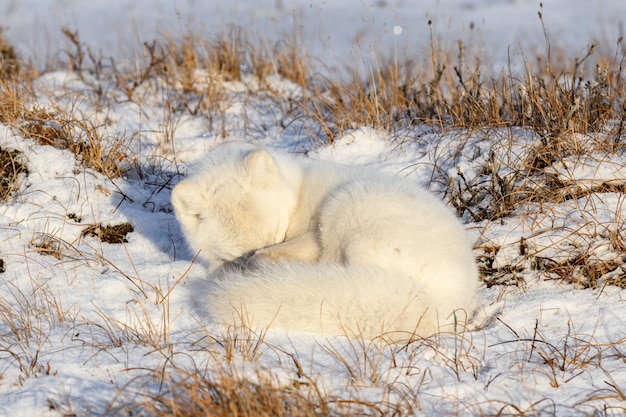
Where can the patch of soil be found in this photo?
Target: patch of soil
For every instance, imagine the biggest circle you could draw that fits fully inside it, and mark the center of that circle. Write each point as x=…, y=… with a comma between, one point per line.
x=109, y=234
x=10, y=169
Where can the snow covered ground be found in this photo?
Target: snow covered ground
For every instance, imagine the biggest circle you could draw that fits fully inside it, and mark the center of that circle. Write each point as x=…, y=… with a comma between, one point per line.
x=82, y=320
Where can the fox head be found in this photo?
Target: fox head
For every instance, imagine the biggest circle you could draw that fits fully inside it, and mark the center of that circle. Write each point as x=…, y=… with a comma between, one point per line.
x=236, y=205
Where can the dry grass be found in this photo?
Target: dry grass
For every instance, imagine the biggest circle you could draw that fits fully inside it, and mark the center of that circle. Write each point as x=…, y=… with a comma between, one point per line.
x=551, y=99
x=190, y=394
x=63, y=129
x=13, y=99
x=553, y=96
x=27, y=318
x=77, y=133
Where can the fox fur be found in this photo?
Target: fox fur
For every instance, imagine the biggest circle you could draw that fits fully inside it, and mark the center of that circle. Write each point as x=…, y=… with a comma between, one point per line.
x=306, y=245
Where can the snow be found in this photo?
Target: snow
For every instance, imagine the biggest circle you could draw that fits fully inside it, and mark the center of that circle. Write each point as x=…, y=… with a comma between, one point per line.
x=85, y=321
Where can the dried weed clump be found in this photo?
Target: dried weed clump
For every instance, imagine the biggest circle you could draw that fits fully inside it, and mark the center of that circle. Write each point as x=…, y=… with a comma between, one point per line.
x=77, y=133
x=11, y=167
x=62, y=129
x=553, y=97
x=110, y=233
x=450, y=94
x=190, y=395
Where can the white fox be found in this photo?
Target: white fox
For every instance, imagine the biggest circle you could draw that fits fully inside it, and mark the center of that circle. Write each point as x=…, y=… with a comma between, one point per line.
x=312, y=246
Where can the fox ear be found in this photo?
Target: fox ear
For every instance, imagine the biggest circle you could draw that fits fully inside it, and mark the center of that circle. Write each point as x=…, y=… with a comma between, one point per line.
x=185, y=197
x=261, y=167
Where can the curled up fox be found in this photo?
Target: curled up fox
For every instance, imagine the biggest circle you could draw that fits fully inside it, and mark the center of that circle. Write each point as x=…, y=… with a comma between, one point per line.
x=305, y=245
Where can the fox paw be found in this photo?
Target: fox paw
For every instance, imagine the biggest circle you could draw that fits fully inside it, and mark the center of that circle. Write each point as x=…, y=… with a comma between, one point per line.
x=261, y=257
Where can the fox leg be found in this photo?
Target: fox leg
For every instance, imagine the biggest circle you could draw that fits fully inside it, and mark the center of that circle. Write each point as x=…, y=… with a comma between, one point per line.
x=304, y=248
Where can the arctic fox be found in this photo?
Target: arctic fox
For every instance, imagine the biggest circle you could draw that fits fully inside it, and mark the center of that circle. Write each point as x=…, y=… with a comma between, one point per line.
x=306, y=245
